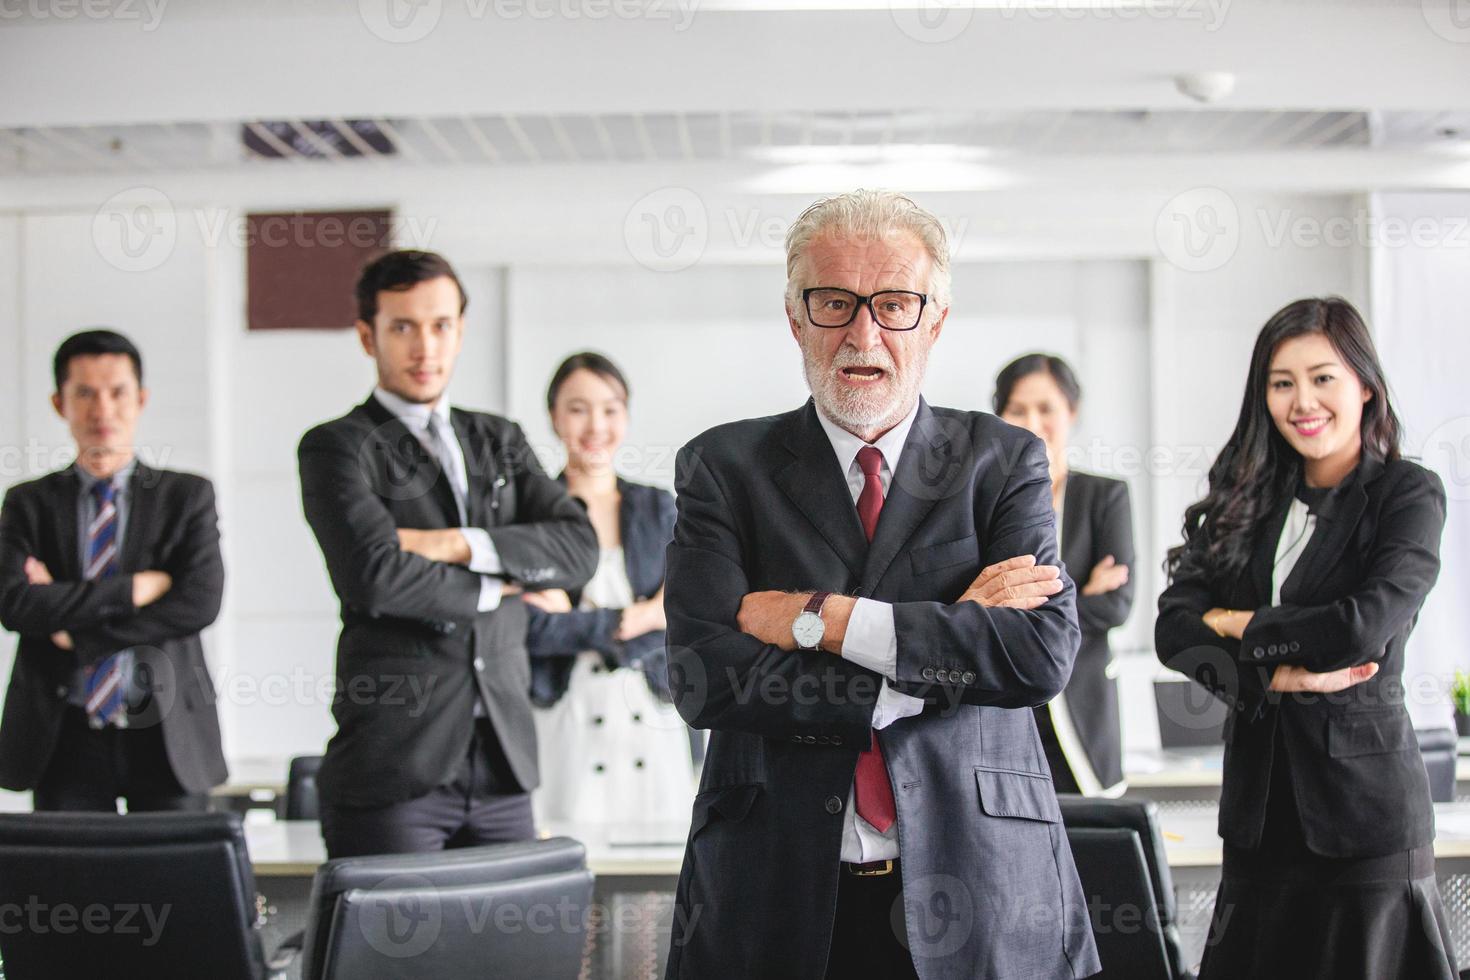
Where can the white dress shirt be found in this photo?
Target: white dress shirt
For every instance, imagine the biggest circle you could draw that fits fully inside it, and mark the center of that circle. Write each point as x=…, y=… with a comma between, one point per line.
x=417, y=418
x=871, y=640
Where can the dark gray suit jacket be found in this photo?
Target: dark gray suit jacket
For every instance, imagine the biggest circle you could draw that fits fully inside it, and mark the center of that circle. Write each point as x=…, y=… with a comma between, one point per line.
x=986, y=865
x=415, y=653
x=172, y=527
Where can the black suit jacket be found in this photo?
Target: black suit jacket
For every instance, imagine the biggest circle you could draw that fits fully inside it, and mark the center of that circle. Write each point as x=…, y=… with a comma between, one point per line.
x=763, y=504
x=646, y=520
x=172, y=527
x=414, y=653
x=1352, y=598
x=1097, y=520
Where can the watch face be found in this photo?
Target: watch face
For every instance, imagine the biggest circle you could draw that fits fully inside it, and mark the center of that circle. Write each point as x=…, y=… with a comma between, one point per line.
x=808, y=630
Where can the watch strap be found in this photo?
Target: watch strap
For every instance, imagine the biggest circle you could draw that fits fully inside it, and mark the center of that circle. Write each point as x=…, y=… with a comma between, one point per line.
x=814, y=604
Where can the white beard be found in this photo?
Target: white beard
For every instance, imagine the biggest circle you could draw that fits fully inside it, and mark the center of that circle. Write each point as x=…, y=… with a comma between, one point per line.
x=862, y=410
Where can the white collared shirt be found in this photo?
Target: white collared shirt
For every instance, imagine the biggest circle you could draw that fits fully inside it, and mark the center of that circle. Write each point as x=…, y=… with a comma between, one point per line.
x=871, y=640
x=484, y=559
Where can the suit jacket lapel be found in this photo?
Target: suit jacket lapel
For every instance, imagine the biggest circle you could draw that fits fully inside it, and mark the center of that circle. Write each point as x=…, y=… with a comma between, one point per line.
x=815, y=483
x=925, y=475
x=142, y=502
x=1076, y=501
x=69, y=568
x=408, y=469
x=479, y=465
x=1336, y=520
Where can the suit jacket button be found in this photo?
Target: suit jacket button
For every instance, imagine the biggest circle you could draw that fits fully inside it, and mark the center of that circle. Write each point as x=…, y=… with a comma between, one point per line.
x=479, y=663
x=1295, y=646
x=927, y=673
x=1258, y=652
x=809, y=739
x=834, y=805
x=62, y=691
x=836, y=739
x=822, y=740
x=955, y=676
x=968, y=677
x=796, y=739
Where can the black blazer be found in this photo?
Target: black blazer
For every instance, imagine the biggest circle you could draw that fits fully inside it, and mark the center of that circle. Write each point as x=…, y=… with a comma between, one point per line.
x=764, y=505
x=172, y=527
x=1352, y=598
x=646, y=519
x=1097, y=520
x=414, y=653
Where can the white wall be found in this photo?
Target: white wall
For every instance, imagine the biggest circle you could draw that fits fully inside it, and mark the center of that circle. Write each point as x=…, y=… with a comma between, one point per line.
x=1421, y=294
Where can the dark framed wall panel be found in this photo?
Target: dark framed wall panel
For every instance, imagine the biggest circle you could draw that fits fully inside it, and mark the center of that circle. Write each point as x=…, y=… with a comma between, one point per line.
x=301, y=266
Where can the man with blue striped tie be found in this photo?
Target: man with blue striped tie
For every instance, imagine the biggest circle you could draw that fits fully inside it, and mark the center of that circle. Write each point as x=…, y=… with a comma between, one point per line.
x=108, y=571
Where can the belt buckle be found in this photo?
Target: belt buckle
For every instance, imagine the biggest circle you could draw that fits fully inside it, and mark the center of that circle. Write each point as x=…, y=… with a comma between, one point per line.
x=872, y=869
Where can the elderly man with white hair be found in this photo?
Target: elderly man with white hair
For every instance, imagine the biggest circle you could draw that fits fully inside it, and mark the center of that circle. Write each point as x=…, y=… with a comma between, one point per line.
x=864, y=601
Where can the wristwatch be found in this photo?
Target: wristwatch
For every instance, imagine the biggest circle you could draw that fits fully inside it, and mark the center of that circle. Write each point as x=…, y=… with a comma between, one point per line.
x=808, y=629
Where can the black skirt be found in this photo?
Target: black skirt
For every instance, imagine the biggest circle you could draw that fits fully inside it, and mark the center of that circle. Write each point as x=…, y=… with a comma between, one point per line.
x=1316, y=918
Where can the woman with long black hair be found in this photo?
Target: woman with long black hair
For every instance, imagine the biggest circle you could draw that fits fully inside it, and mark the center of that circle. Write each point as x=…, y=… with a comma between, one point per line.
x=1300, y=576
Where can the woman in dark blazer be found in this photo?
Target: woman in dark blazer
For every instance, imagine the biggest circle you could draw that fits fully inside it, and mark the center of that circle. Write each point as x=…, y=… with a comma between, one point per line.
x=612, y=745
x=1300, y=576
x=1080, y=729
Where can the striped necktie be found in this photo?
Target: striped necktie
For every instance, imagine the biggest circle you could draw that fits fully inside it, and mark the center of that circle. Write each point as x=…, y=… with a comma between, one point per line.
x=872, y=791
x=106, y=687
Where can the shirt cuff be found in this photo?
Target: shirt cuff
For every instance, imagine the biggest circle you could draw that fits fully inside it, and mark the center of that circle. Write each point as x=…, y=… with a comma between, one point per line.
x=893, y=705
x=871, y=640
x=483, y=556
x=489, y=593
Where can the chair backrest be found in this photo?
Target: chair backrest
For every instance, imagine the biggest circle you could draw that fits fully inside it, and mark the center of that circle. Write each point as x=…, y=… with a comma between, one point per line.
x=1120, y=902
x=301, y=798
x=1141, y=817
x=505, y=910
x=1440, y=749
x=168, y=896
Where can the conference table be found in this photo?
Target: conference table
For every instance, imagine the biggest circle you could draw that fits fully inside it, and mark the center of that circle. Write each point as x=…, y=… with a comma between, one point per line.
x=636, y=866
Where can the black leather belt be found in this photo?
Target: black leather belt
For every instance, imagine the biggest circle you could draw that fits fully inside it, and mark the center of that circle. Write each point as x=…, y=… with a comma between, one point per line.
x=870, y=869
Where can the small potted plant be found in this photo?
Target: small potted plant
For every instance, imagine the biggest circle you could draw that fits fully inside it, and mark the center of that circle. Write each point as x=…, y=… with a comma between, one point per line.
x=1460, y=695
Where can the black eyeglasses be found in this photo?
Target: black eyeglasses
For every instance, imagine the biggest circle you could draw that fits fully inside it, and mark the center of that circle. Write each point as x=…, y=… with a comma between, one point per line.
x=891, y=309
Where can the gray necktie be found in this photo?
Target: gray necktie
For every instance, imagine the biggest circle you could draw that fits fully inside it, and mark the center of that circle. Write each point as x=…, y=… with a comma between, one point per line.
x=436, y=438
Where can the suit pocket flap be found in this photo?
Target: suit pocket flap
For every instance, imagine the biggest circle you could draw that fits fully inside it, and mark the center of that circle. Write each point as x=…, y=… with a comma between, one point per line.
x=944, y=554
x=724, y=803
x=1011, y=793
x=1368, y=734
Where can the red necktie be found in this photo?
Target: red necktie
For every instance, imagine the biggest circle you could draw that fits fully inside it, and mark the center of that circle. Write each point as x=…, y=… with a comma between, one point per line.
x=871, y=788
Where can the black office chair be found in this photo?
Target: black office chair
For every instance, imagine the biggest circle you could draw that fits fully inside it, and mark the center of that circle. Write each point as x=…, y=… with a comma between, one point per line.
x=1440, y=749
x=505, y=910
x=301, y=798
x=166, y=896
x=1121, y=860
